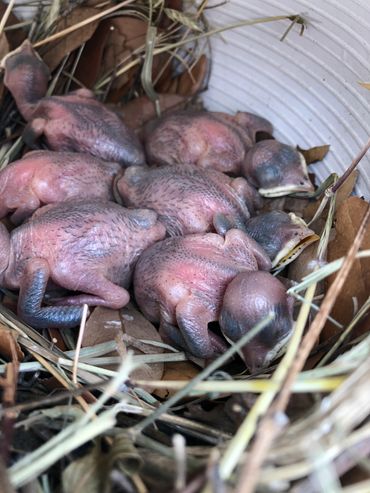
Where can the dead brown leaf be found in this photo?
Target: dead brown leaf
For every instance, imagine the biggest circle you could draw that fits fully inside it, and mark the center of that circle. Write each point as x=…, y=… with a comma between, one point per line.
x=115, y=41
x=15, y=37
x=57, y=339
x=273, y=204
x=357, y=287
x=293, y=204
x=193, y=81
x=89, y=65
x=168, y=85
x=189, y=83
x=54, y=53
x=301, y=267
x=184, y=370
x=127, y=35
x=303, y=264
x=141, y=110
x=346, y=189
x=135, y=325
x=310, y=210
x=10, y=303
x=314, y=154
x=365, y=85
x=7, y=340
x=105, y=325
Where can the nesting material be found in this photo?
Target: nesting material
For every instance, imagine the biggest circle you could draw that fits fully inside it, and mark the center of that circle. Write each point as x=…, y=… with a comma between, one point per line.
x=248, y=404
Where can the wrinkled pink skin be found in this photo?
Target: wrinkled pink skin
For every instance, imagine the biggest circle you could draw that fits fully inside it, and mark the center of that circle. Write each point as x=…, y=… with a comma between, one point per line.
x=253, y=127
x=46, y=177
x=88, y=247
x=75, y=122
x=271, y=164
x=180, y=283
x=204, y=139
x=249, y=298
x=189, y=199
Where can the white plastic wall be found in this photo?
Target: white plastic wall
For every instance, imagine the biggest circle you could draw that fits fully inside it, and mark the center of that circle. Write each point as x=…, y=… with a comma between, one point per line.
x=306, y=86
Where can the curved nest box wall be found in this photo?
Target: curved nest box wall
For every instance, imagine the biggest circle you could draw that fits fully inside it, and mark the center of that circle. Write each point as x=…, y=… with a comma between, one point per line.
x=307, y=86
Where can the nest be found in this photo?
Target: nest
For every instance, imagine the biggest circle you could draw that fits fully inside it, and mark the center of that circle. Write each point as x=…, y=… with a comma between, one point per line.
x=126, y=412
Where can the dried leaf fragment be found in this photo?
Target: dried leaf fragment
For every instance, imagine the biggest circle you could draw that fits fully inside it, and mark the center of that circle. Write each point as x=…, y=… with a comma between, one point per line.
x=89, y=65
x=15, y=37
x=103, y=325
x=184, y=370
x=114, y=43
x=304, y=264
x=54, y=53
x=87, y=474
x=106, y=325
x=357, y=287
x=189, y=82
x=139, y=111
x=346, y=189
x=365, y=85
x=127, y=34
x=192, y=81
x=314, y=154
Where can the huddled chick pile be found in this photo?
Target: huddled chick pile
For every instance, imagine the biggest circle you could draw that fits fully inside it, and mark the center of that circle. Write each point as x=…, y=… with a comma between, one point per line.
x=182, y=229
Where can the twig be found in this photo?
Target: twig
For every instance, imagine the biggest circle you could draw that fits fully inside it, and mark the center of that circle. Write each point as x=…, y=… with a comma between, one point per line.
x=6, y=15
x=352, y=166
x=139, y=484
x=57, y=375
x=9, y=391
x=47, y=401
x=83, y=23
x=179, y=446
x=70, y=75
x=79, y=343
